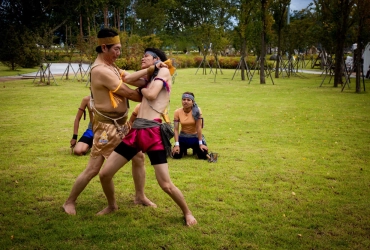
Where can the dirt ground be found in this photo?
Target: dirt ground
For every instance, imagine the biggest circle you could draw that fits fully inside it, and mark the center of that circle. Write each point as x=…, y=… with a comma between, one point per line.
x=11, y=78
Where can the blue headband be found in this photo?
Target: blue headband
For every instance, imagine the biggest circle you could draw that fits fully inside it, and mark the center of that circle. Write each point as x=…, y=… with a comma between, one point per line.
x=151, y=53
x=194, y=110
x=188, y=96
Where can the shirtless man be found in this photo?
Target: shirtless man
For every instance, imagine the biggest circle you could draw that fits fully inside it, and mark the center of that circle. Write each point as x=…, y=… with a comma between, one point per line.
x=145, y=135
x=110, y=109
x=85, y=142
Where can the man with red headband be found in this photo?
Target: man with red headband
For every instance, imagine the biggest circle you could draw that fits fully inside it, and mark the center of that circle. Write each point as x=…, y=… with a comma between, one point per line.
x=148, y=134
x=110, y=107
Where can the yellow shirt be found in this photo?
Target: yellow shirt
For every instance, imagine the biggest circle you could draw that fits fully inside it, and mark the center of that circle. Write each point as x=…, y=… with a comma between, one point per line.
x=186, y=120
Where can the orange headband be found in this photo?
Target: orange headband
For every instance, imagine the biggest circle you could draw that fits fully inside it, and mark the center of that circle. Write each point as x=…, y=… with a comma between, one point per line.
x=108, y=40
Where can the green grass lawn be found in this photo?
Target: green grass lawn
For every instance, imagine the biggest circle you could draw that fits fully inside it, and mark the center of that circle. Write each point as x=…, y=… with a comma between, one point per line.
x=292, y=173
x=5, y=71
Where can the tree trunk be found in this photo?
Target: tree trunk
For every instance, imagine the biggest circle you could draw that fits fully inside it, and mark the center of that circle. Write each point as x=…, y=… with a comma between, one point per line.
x=242, y=56
x=105, y=11
x=359, y=66
x=114, y=17
x=124, y=19
x=342, y=32
x=338, y=68
x=262, y=56
x=278, y=55
x=118, y=20
x=81, y=33
x=88, y=25
x=362, y=9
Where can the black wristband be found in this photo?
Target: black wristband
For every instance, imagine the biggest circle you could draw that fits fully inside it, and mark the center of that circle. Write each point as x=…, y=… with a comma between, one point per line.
x=74, y=137
x=139, y=90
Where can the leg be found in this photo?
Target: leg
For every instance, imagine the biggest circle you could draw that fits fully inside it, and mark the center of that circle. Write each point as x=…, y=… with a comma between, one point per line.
x=202, y=155
x=183, y=149
x=81, y=148
x=138, y=174
x=113, y=164
x=81, y=182
x=164, y=181
x=178, y=155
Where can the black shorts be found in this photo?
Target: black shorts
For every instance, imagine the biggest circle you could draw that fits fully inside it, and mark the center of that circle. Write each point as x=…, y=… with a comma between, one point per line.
x=87, y=140
x=156, y=157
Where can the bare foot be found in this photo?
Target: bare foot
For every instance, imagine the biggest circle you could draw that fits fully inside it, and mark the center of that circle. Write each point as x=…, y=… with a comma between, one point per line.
x=144, y=202
x=190, y=220
x=69, y=208
x=108, y=210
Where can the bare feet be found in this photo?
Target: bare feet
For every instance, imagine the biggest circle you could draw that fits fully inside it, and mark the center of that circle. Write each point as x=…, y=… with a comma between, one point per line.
x=69, y=208
x=190, y=220
x=145, y=202
x=108, y=210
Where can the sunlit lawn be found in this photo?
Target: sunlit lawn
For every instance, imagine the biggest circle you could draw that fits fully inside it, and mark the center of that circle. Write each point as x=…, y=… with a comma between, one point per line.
x=293, y=170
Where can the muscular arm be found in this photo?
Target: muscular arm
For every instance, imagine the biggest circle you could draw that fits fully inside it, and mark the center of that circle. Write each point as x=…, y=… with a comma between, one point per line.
x=79, y=114
x=176, y=148
x=198, y=125
x=131, y=94
x=156, y=86
x=176, y=131
x=136, y=78
x=110, y=80
x=134, y=114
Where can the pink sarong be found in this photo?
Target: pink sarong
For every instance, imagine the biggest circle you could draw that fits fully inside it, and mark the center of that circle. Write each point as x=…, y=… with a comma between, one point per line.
x=144, y=139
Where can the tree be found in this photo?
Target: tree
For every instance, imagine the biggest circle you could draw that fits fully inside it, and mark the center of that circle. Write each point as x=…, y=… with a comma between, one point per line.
x=279, y=9
x=24, y=22
x=362, y=19
x=244, y=11
x=264, y=6
x=335, y=16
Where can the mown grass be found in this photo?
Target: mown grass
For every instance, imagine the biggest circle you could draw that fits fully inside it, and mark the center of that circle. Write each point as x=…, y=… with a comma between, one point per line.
x=5, y=71
x=293, y=170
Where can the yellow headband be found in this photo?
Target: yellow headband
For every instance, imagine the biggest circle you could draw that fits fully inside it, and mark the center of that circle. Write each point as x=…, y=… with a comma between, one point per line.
x=108, y=40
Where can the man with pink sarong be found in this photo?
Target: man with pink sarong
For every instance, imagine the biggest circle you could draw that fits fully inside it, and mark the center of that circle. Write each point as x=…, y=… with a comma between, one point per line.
x=148, y=134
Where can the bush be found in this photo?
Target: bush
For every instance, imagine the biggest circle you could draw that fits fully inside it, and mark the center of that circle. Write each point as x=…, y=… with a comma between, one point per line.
x=130, y=63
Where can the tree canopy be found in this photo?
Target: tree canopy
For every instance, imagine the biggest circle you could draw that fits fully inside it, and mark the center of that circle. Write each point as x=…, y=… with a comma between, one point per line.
x=183, y=25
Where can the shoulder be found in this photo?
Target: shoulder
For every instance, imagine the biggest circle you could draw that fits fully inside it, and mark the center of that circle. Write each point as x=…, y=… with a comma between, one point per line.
x=200, y=112
x=99, y=71
x=164, y=73
x=178, y=110
x=86, y=99
x=136, y=109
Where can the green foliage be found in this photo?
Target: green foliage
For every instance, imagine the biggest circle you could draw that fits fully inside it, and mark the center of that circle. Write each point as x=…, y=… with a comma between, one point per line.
x=292, y=173
x=19, y=49
x=129, y=63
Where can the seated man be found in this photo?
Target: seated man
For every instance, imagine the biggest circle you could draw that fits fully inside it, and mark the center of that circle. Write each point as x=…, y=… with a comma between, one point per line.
x=85, y=142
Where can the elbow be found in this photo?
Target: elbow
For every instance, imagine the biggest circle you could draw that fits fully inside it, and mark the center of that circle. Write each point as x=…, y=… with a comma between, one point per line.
x=127, y=79
x=149, y=95
x=150, y=98
x=136, y=97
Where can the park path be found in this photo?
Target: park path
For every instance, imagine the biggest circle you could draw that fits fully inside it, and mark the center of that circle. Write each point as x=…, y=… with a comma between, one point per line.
x=57, y=69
